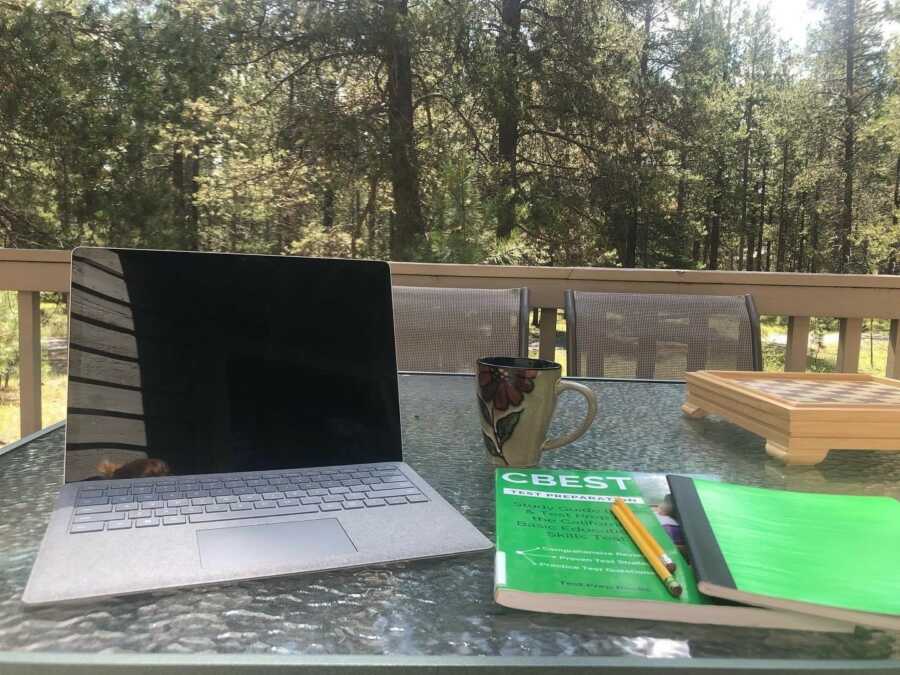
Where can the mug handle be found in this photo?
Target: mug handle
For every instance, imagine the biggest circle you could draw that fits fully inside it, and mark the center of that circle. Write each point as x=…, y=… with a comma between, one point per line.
x=562, y=385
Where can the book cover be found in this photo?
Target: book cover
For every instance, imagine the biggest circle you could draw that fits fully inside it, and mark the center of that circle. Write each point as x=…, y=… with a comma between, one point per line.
x=828, y=555
x=556, y=534
x=560, y=549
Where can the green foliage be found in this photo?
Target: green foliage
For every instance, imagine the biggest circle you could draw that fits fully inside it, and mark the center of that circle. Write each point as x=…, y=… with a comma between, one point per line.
x=654, y=133
x=319, y=242
x=773, y=357
x=823, y=345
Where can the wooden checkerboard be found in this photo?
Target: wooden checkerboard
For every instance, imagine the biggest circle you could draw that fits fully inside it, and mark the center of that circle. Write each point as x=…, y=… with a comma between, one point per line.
x=802, y=415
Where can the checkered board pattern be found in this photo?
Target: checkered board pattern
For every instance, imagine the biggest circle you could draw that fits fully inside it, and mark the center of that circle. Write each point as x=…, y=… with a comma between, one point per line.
x=848, y=392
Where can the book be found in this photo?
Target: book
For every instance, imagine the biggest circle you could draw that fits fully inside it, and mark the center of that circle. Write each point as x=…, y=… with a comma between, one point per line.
x=560, y=549
x=828, y=555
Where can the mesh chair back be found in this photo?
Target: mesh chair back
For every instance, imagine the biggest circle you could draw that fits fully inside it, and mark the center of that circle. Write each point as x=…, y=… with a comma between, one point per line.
x=446, y=330
x=648, y=336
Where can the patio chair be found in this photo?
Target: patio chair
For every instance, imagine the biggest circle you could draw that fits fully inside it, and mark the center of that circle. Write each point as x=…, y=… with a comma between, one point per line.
x=448, y=329
x=660, y=337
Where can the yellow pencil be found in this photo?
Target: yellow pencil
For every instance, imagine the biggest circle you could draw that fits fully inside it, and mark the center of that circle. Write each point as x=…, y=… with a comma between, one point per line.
x=665, y=575
x=657, y=549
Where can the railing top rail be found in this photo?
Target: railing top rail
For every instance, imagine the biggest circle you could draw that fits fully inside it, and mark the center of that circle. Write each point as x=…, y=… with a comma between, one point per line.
x=34, y=255
x=572, y=273
x=777, y=293
x=780, y=293
x=24, y=269
x=649, y=275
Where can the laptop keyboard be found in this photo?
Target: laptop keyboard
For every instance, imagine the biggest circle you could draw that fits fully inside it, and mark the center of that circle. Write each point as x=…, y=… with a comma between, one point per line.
x=179, y=500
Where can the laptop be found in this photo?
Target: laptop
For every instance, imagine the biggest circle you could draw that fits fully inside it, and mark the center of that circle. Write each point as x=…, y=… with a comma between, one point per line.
x=232, y=417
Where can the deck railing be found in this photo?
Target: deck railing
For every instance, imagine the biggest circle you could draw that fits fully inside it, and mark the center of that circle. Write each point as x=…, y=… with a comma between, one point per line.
x=799, y=297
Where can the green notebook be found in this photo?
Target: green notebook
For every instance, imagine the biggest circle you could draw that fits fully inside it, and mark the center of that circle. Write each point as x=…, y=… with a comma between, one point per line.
x=834, y=556
x=560, y=549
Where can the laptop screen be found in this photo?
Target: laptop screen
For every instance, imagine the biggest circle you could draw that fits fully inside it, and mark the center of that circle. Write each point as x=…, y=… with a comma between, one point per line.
x=193, y=363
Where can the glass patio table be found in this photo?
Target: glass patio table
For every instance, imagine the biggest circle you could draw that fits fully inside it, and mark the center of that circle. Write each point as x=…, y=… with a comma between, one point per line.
x=432, y=613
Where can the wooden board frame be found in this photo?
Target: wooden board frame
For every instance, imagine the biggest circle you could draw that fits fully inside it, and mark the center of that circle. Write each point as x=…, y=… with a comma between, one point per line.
x=796, y=432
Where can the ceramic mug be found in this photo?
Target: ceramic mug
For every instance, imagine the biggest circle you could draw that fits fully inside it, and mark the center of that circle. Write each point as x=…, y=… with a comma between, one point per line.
x=516, y=400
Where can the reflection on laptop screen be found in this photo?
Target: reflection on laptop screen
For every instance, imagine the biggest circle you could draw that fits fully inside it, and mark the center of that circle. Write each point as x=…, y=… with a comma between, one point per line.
x=192, y=363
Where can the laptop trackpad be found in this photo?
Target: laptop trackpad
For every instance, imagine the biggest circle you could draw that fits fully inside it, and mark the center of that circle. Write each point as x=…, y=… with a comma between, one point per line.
x=252, y=546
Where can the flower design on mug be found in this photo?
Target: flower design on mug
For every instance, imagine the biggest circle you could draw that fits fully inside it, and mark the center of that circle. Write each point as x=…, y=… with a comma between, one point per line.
x=502, y=388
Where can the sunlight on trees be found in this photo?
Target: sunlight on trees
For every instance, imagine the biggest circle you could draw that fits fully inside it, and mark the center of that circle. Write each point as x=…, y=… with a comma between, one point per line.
x=653, y=133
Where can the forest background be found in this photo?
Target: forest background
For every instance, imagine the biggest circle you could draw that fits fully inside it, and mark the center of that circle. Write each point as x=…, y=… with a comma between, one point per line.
x=632, y=133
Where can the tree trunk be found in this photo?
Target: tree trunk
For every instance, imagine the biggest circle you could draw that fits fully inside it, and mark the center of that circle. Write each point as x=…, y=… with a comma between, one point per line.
x=680, y=199
x=706, y=237
x=508, y=113
x=642, y=224
x=64, y=196
x=894, y=262
x=746, y=230
x=357, y=222
x=370, y=216
x=759, y=249
x=782, y=225
x=636, y=133
x=233, y=223
x=762, y=205
x=814, y=216
x=407, y=223
x=328, y=207
x=814, y=234
x=726, y=60
x=895, y=216
x=176, y=170
x=631, y=239
x=644, y=233
x=715, y=231
x=192, y=233
x=187, y=215
x=849, y=141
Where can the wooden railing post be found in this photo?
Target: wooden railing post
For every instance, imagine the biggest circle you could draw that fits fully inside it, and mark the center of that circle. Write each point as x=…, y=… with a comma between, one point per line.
x=29, y=361
x=797, y=344
x=893, y=357
x=849, y=337
x=548, y=333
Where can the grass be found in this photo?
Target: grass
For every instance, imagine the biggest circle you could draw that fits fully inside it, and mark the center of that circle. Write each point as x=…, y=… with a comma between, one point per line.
x=53, y=385
x=822, y=355
x=53, y=404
